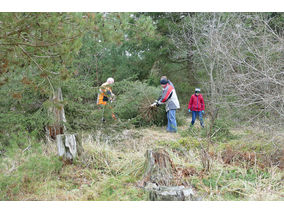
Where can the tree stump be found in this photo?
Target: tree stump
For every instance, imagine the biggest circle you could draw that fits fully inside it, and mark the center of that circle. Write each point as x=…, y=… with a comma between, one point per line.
x=161, y=178
x=170, y=193
x=159, y=168
x=69, y=146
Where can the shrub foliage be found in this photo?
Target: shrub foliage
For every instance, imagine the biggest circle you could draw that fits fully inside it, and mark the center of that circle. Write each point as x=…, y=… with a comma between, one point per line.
x=134, y=104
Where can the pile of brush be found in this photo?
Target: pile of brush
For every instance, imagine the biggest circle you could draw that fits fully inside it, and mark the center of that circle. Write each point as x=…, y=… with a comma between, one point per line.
x=149, y=113
x=134, y=105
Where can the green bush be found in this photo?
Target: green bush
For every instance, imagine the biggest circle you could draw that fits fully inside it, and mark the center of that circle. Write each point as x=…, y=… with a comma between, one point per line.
x=11, y=143
x=81, y=110
x=133, y=104
x=16, y=125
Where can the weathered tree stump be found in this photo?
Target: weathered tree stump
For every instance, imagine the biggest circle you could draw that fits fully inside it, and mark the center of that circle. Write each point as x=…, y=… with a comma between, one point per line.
x=170, y=193
x=159, y=168
x=161, y=178
x=69, y=146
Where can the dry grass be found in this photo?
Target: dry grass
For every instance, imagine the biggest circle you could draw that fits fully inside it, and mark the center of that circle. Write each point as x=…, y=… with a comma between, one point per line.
x=113, y=162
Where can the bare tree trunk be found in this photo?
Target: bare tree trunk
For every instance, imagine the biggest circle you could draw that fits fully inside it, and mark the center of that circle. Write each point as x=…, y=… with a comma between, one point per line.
x=241, y=65
x=57, y=114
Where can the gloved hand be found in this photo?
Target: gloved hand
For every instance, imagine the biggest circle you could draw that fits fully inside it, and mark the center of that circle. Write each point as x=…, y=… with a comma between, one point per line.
x=202, y=111
x=155, y=104
x=189, y=110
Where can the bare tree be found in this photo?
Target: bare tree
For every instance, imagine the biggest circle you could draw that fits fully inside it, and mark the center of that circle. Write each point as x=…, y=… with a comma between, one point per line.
x=239, y=62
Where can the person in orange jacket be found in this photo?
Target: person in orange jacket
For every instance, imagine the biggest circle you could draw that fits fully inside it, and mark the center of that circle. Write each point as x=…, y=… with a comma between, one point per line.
x=196, y=106
x=105, y=96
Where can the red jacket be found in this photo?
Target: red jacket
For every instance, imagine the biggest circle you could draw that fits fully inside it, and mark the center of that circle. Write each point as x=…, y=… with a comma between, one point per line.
x=196, y=103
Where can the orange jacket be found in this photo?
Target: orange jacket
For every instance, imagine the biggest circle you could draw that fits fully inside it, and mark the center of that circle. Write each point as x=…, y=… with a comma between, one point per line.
x=105, y=94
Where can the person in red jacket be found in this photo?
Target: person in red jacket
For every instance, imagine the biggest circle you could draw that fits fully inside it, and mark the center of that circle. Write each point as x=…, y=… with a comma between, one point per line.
x=196, y=106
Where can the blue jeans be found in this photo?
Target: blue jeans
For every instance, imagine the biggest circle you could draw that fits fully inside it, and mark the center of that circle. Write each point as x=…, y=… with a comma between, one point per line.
x=172, y=124
x=194, y=115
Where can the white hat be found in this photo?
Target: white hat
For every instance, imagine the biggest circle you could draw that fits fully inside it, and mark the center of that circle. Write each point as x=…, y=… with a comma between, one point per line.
x=197, y=89
x=110, y=80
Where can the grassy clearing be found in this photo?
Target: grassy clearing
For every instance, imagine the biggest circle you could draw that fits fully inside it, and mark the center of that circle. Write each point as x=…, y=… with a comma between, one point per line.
x=243, y=166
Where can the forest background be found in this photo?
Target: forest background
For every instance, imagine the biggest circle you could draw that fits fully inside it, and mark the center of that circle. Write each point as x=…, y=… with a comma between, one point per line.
x=235, y=58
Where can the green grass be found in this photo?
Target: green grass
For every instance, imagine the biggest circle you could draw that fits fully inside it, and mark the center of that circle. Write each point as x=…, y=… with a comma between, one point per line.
x=121, y=188
x=34, y=169
x=110, y=168
x=234, y=183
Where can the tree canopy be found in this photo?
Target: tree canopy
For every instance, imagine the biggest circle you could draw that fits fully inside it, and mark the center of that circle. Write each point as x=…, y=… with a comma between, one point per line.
x=236, y=58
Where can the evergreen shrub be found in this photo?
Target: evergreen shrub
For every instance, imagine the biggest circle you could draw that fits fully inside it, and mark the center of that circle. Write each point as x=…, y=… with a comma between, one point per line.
x=80, y=105
x=133, y=104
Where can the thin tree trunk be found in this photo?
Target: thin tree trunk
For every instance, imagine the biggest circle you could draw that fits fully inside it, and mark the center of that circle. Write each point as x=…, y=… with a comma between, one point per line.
x=57, y=115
